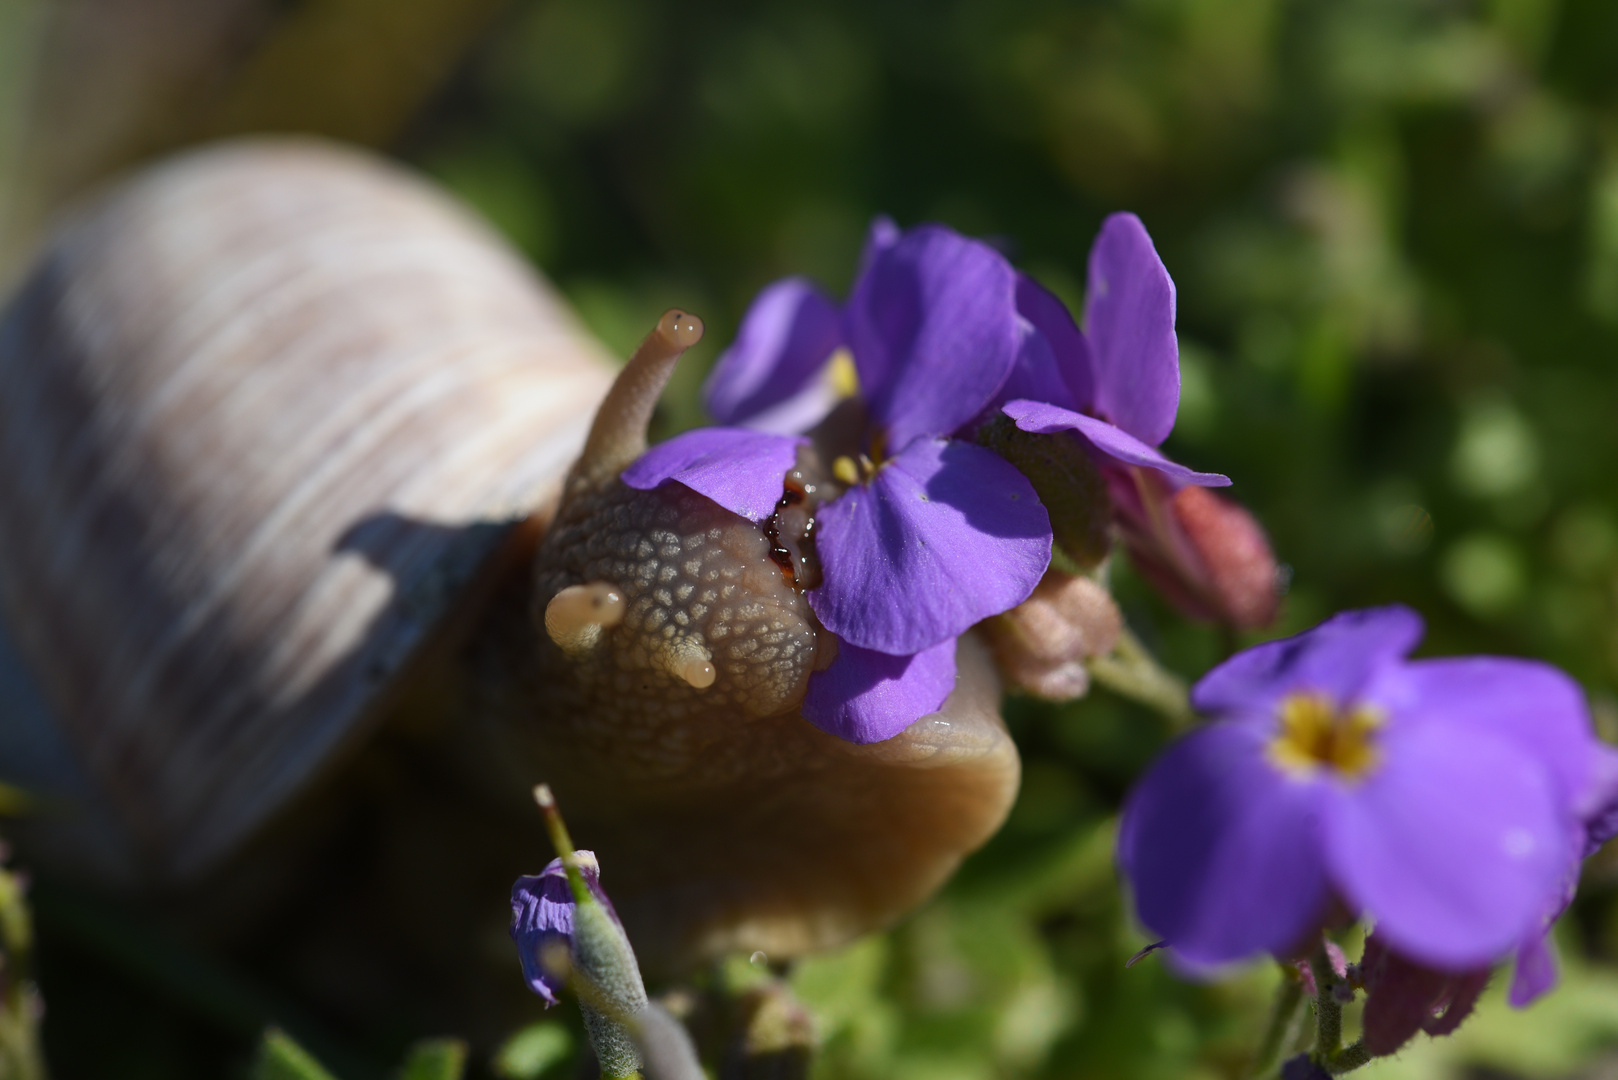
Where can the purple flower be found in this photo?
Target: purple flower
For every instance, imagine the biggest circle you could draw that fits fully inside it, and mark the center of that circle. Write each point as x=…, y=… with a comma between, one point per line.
x=927, y=532
x=1446, y=799
x=930, y=533
x=1116, y=384
x=542, y=918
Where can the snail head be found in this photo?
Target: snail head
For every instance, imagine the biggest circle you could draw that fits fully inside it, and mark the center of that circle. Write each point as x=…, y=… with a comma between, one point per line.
x=664, y=612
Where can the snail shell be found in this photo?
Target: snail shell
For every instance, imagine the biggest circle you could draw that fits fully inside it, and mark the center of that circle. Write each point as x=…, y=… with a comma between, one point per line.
x=267, y=413
x=218, y=390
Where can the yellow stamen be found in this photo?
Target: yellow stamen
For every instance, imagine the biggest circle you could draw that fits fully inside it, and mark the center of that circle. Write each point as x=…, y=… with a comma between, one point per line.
x=845, y=380
x=1315, y=734
x=846, y=471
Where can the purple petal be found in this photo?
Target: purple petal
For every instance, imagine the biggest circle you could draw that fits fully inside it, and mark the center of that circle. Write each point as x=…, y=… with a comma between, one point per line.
x=1454, y=844
x=1129, y=320
x=1336, y=658
x=1536, y=970
x=882, y=235
x=741, y=470
x=867, y=696
x=785, y=338
x=1598, y=812
x=944, y=535
x=1053, y=363
x=1533, y=706
x=1110, y=441
x=1223, y=851
x=542, y=912
x=934, y=329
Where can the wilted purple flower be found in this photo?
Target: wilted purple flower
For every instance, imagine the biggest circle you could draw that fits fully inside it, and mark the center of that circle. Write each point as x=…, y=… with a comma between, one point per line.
x=932, y=533
x=1404, y=997
x=542, y=916
x=1447, y=799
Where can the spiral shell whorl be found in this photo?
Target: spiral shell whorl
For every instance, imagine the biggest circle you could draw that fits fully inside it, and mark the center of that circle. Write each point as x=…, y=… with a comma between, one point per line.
x=252, y=405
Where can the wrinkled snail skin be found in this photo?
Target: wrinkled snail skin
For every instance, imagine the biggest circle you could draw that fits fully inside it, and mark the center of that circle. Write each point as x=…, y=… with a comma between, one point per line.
x=263, y=412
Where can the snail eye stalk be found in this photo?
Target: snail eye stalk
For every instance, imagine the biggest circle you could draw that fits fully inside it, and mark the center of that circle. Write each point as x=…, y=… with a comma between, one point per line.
x=576, y=617
x=618, y=435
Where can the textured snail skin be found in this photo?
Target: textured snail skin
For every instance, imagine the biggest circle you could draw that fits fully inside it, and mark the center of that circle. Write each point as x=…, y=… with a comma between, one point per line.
x=734, y=823
x=265, y=412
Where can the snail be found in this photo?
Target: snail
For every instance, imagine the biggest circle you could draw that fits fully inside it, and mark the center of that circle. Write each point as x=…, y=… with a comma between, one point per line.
x=290, y=459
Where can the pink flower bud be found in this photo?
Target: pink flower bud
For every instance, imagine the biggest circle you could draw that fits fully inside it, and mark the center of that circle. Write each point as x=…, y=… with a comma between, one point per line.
x=1041, y=644
x=1205, y=553
x=1405, y=997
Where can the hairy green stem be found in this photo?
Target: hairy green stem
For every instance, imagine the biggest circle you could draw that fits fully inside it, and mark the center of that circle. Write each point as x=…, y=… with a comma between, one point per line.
x=604, y=973
x=1347, y=1059
x=1329, y=1053
x=1328, y=1011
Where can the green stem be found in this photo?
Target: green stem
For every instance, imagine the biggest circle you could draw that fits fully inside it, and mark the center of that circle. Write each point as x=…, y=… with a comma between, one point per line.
x=1283, y=1016
x=1347, y=1059
x=1330, y=1054
x=604, y=974
x=563, y=843
x=1132, y=672
x=1328, y=1012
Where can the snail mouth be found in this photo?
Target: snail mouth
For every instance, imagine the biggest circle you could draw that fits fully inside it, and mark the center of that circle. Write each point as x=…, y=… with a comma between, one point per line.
x=790, y=530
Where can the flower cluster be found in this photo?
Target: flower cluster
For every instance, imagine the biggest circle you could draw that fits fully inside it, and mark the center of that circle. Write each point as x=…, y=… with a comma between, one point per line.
x=1449, y=799
x=921, y=531
x=947, y=427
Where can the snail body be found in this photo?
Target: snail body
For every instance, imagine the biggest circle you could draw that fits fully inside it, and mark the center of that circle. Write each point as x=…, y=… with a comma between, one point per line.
x=282, y=437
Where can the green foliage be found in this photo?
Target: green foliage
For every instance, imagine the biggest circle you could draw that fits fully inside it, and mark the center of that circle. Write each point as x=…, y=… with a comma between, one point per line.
x=280, y=1058
x=435, y=1059
x=534, y=1051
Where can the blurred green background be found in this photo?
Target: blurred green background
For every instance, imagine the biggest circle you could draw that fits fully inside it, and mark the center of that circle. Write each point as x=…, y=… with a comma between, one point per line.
x=1393, y=225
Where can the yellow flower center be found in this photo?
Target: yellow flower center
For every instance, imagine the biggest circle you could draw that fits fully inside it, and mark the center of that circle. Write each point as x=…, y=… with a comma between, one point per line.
x=1315, y=734
x=850, y=471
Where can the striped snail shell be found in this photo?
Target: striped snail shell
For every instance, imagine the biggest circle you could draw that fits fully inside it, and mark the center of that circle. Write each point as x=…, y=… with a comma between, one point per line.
x=269, y=415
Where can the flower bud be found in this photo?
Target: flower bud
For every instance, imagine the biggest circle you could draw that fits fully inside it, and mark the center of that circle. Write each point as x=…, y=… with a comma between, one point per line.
x=1206, y=554
x=1303, y=1067
x=1041, y=644
x=542, y=917
x=561, y=933
x=1405, y=997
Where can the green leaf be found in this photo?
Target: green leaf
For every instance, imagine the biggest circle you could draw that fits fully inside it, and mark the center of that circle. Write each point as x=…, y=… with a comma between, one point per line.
x=279, y=1058
x=435, y=1059
x=533, y=1051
